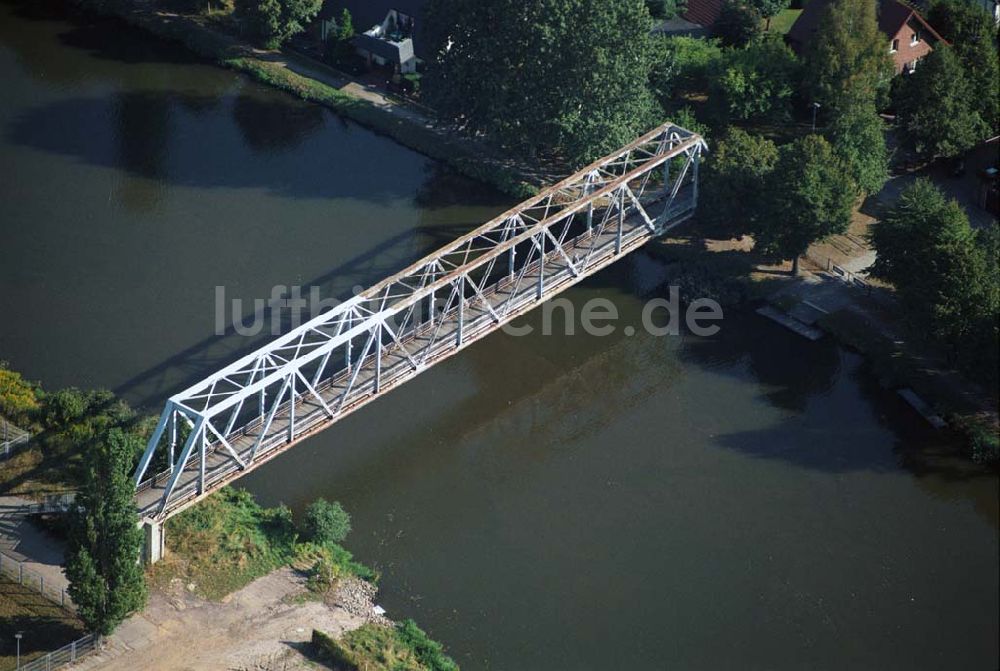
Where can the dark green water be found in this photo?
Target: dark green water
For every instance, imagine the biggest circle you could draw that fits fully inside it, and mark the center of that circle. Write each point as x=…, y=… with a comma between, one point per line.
x=747, y=501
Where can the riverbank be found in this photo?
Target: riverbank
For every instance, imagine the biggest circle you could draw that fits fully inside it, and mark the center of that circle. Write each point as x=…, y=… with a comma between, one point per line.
x=860, y=320
x=229, y=543
x=325, y=87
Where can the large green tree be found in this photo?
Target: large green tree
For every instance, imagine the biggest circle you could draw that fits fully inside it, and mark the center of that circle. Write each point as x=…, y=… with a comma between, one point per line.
x=102, y=555
x=848, y=61
x=755, y=83
x=945, y=276
x=937, y=107
x=739, y=23
x=274, y=21
x=858, y=137
x=569, y=76
x=973, y=35
x=810, y=196
x=734, y=182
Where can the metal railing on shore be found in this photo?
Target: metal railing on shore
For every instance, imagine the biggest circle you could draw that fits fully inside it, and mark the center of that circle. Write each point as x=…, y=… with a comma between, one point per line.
x=10, y=437
x=64, y=655
x=843, y=274
x=17, y=571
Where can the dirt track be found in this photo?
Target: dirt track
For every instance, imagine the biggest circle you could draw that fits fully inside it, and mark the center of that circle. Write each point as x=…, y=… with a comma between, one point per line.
x=258, y=628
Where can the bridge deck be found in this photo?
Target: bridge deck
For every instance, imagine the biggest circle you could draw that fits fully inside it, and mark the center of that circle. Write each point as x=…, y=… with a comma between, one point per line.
x=591, y=251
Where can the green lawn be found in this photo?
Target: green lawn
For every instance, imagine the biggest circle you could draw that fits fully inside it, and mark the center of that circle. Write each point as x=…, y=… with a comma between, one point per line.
x=45, y=626
x=782, y=23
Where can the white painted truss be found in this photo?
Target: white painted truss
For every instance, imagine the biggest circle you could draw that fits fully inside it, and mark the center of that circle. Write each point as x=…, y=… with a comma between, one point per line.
x=305, y=380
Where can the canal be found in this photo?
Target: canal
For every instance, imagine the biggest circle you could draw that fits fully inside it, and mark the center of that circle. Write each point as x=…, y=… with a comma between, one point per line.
x=745, y=501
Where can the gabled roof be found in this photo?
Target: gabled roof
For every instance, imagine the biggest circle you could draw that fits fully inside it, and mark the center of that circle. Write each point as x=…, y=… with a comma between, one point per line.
x=703, y=12
x=892, y=16
x=368, y=13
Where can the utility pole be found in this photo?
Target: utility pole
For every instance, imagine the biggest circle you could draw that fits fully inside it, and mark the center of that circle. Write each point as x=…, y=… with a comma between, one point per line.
x=18, y=637
x=815, y=107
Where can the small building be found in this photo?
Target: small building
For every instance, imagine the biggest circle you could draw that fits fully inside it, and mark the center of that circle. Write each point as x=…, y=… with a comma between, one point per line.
x=388, y=31
x=908, y=35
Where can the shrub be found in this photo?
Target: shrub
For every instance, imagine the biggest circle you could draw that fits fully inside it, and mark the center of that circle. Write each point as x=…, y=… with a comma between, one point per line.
x=326, y=522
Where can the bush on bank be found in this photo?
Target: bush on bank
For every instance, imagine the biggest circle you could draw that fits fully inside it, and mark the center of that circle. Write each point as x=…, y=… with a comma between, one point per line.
x=229, y=540
x=373, y=647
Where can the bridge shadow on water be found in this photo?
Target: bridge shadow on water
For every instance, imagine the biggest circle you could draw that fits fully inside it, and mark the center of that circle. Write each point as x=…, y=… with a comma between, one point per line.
x=151, y=387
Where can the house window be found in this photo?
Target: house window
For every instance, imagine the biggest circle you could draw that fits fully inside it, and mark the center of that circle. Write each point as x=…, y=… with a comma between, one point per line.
x=894, y=47
x=914, y=38
x=911, y=66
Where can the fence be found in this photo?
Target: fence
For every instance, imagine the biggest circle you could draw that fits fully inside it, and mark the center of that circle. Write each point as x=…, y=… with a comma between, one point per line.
x=845, y=275
x=64, y=655
x=10, y=437
x=17, y=571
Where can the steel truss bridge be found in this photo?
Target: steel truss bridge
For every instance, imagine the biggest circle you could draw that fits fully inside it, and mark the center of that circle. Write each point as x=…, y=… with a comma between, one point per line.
x=257, y=407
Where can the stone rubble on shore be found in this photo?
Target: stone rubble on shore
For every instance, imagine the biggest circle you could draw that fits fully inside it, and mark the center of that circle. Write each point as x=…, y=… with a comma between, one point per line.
x=357, y=597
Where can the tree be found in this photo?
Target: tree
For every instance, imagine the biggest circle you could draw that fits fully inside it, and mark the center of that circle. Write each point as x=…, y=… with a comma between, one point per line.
x=274, y=21
x=936, y=105
x=973, y=35
x=666, y=9
x=756, y=82
x=326, y=522
x=567, y=76
x=102, y=554
x=17, y=396
x=945, y=276
x=683, y=65
x=738, y=24
x=858, y=138
x=339, y=49
x=768, y=9
x=848, y=62
x=734, y=181
x=810, y=196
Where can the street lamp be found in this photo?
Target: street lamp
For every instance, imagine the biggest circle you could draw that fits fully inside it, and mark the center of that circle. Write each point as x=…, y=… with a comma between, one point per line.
x=18, y=637
x=815, y=107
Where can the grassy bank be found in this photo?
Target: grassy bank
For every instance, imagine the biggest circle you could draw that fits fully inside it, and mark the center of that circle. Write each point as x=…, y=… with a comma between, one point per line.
x=198, y=35
x=44, y=625
x=372, y=647
x=229, y=540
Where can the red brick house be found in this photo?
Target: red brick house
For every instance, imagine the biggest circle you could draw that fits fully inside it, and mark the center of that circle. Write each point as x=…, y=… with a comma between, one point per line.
x=908, y=36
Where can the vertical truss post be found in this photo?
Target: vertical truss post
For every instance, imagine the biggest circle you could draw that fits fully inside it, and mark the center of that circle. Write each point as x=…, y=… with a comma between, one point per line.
x=202, y=445
x=378, y=358
x=541, y=266
x=460, y=290
x=666, y=176
x=430, y=307
x=291, y=408
x=621, y=221
x=511, y=258
x=173, y=437
x=694, y=176
x=347, y=356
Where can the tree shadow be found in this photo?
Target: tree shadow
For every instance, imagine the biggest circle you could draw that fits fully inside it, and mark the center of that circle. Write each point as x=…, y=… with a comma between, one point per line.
x=44, y=625
x=147, y=134
x=789, y=369
x=47, y=23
